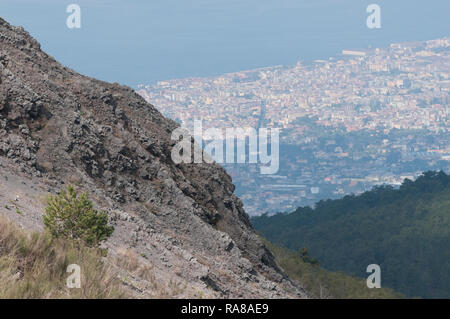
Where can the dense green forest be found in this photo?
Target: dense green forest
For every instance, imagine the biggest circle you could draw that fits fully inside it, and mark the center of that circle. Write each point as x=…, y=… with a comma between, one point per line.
x=323, y=284
x=406, y=231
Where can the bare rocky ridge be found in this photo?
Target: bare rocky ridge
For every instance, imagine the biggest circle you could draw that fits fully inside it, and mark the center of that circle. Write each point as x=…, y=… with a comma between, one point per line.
x=181, y=221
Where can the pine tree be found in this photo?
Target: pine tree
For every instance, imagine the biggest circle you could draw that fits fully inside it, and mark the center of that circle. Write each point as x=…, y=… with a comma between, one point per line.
x=69, y=215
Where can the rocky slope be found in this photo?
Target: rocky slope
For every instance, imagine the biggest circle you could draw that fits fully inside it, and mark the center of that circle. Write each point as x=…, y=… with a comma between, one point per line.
x=181, y=221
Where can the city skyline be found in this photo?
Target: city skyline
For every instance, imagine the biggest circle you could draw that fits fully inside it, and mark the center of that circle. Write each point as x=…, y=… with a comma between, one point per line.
x=348, y=123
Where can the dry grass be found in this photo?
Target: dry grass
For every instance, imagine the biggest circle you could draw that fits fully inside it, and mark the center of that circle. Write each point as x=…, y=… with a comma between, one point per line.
x=128, y=260
x=33, y=265
x=141, y=274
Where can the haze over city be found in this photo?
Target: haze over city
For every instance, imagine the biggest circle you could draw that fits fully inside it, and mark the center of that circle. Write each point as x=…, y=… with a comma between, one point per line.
x=136, y=41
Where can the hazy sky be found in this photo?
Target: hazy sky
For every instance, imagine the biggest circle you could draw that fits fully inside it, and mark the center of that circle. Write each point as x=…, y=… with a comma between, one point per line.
x=142, y=41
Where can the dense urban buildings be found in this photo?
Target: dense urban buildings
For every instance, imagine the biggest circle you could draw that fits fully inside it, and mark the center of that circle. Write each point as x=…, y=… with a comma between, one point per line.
x=348, y=123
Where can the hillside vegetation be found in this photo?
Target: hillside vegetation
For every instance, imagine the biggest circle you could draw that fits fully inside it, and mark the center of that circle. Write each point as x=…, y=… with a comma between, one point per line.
x=406, y=231
x=323, y=284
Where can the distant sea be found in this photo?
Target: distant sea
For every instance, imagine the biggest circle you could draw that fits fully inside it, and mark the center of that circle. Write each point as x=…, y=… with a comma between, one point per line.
x=144, y=41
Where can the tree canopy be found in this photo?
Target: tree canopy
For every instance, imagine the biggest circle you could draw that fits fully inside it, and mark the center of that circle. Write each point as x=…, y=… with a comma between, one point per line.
x=406, y=231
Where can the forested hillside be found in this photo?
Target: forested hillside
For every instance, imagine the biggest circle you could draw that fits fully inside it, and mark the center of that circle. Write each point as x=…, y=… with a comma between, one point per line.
x=406, y=231
x=323, y=284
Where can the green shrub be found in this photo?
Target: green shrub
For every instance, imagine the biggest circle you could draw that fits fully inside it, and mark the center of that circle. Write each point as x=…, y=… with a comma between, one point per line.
x=69, y=215
x=304, y=255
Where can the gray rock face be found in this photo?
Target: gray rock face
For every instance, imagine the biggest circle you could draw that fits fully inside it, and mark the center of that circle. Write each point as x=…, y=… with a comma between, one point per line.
x=59, y=127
